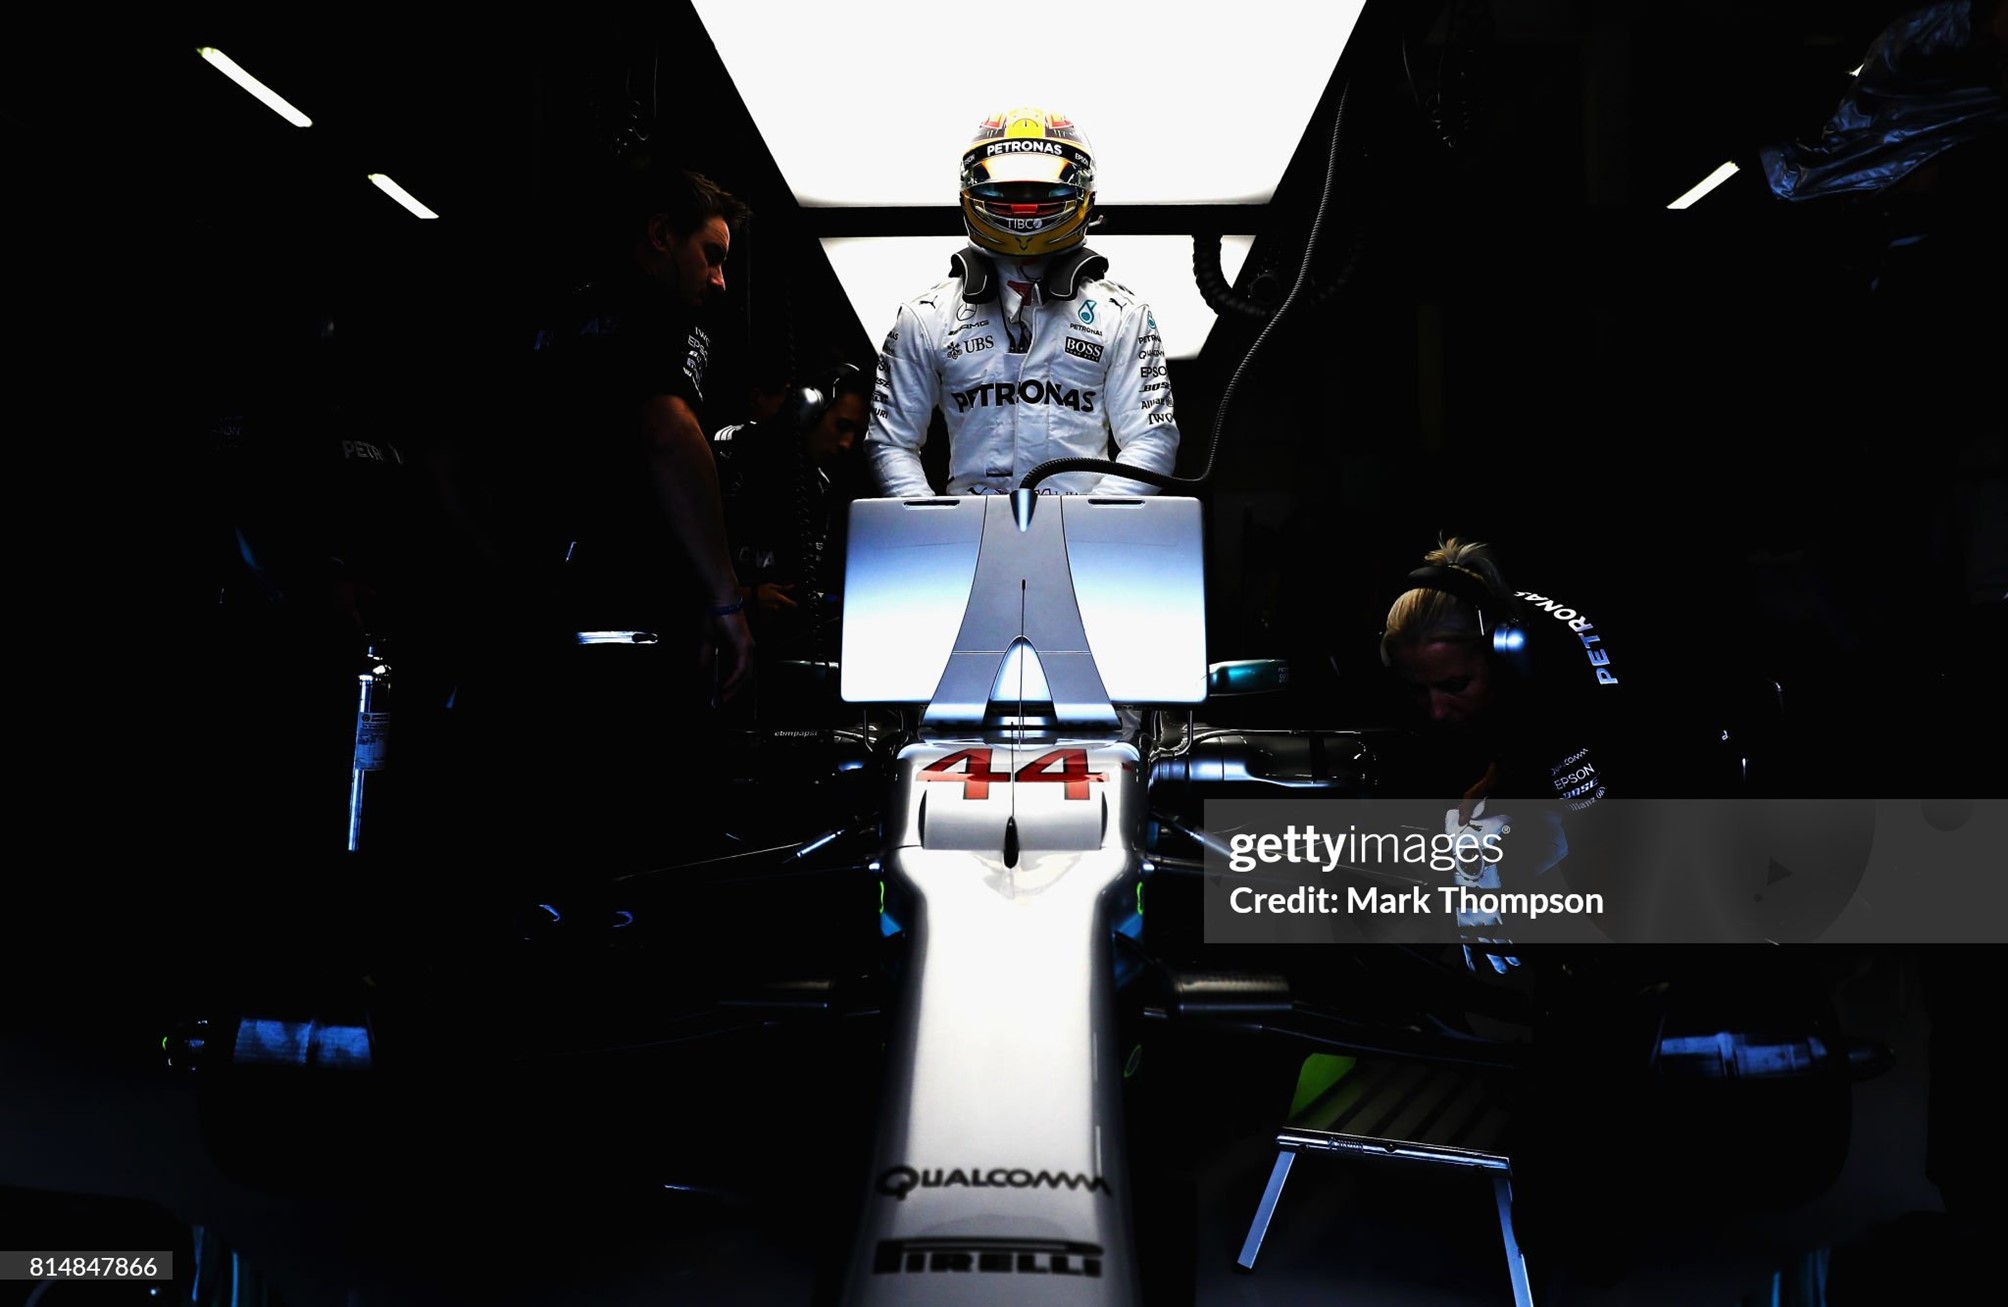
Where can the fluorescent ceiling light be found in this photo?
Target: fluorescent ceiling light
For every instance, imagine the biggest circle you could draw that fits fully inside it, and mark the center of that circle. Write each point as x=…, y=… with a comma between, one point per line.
x=401, y=195
x=224, y=64
x=879, y=273
x=1181, y=105
x=1705, y=185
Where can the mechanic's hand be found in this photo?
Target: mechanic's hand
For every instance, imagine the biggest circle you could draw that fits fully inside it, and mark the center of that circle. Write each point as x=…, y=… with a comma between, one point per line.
x=773, y=596
x=731, y=654
x=1475, y=835
x=1478, y=835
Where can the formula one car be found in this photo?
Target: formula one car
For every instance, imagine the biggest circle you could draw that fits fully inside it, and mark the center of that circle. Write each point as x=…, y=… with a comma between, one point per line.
x=969, y=909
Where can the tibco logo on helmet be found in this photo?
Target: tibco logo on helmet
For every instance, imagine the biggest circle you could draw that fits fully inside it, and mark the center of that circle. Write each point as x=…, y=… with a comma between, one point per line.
x=1028, y=182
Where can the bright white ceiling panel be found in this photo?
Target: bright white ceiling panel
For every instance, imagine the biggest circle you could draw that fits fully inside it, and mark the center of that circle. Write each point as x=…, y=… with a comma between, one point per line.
x=871, y=102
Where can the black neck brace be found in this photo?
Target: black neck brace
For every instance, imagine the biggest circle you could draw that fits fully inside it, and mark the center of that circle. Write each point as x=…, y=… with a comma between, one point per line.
x=1062, y=281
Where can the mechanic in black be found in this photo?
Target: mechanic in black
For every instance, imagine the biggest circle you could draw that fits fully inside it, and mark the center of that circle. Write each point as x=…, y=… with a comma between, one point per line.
x=314, y=548
x=635, y=516
x=1519, y=686
x=587, y=714
x=788, y=483
x=317, y=501
x=1525, y=708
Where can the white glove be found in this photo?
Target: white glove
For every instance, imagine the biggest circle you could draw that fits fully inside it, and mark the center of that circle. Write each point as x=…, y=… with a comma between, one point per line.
x=1475, y=872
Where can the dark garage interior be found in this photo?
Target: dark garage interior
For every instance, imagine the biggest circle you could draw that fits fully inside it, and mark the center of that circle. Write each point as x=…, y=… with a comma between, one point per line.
x=596, y=1004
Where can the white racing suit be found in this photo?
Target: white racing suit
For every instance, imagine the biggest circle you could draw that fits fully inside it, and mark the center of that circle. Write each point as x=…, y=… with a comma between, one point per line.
x=1083, y=369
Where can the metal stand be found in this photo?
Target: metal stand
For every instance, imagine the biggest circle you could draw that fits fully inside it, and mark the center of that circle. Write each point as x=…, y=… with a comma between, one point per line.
x=1291, y=1142
x=372, y=747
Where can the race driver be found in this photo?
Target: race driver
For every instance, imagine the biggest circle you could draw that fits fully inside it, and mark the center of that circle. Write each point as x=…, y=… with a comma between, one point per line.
x=1028, y=349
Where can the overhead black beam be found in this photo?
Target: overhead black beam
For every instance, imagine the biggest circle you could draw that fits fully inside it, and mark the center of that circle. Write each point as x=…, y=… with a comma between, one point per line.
x=1117, y=220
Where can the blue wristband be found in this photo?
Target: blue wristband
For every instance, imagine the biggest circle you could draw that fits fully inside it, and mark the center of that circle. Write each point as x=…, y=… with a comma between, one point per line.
x=726, y=610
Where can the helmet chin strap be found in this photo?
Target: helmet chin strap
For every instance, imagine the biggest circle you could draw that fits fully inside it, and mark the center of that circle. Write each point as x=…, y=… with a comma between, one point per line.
x=1028, y=268
x=1022, y=289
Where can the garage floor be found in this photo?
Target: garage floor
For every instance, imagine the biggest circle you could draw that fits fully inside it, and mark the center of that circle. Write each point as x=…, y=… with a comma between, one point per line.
x=99, y=1142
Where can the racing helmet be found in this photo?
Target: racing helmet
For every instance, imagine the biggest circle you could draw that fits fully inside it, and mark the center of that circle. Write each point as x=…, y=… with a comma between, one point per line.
x=1028, y=181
